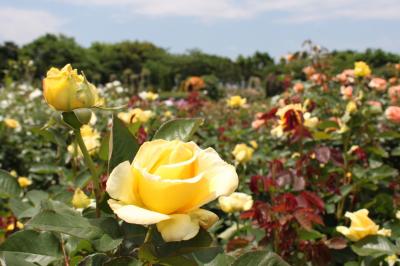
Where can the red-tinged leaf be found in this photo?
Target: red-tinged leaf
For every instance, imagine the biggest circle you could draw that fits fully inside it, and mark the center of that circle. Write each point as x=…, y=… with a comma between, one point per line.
x=337, y=157
x=306, y=218
x=237, y=243
x=248, y=214
x=313, y=200
x=322, y=154
x=336, y=243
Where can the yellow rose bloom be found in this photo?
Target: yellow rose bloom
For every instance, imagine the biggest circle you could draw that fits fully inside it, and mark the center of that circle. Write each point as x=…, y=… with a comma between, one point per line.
x=242, y=153
x=254, y=144
x=90, y=137
x=361, y=69
x=236, y=202
x=148, y=95
x=361, y=226
x=24, y=181
x=11, y=123
x=167, y=183
x=66, y=90
x=351, y=107
x=236, y=101
x=135, y=115
x=80, y=200
x=392, y=259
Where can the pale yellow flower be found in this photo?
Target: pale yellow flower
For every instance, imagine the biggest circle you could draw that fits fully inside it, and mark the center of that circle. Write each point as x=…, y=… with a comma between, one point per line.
x=392, y=259
x=236, y=101
x=148, y=95
x=236, y=202
x=11, y=123
x=361, y=69
x=135, y=115
x=310, y=122
x=242, y=153
x=24, y=181
x=361, y=226
x=80, y=200
x=90, y=137
x=66, y=90
x=167, y=183
x=351, y=107
x=254, y=144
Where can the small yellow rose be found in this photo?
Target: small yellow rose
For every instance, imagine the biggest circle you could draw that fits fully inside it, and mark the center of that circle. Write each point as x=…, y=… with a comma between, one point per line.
x=66, y=90
x=167, y=183
x=24, y=181
x=148, y=95
x=254, y=144
x=351, y=107
x=361, y=226
x=236, y=202
x=242, y=153
x=80, y=200
x=11, y=123
x=236, y=101
x=310, y=122
x=392, y=259
x=361, y=69
x=135, y=115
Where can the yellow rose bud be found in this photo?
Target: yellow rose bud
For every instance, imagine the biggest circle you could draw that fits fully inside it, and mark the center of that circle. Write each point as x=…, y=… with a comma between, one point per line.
x=242, y=153
x=236, y=202
x=66, y=90
x=13, y=173
x=391, y=260
x=167, y=183
x=11, y=226
x=80, y=200
x=398, y=215
x=361, y=69
x=24, y=181
x=360, y=227
x=236, y=101
x=11, y=123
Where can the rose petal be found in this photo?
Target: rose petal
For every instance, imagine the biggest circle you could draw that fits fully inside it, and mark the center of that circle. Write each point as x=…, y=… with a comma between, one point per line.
x=179, y=227
x=122, y=184
x=136, y=215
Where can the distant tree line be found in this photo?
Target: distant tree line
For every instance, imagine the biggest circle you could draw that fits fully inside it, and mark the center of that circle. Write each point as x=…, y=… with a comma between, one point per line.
x=133, y=61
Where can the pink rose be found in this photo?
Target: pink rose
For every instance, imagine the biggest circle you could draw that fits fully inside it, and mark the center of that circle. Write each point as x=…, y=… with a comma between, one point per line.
x=347, y=92
x=392, y=113
x=379, y=84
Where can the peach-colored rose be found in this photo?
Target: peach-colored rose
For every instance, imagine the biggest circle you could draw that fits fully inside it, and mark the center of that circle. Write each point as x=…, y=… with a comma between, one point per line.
x=379, y=84
x=393, y=81
x=392, y=113
x=347, y=92
x=298, y=87
x=394, y=94
x=347, y=76
x=397, y=66
x=309, y=71
x=256, y=124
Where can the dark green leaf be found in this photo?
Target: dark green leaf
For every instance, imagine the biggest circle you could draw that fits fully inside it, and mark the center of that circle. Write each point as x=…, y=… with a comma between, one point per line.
x=260, y=258
x=8, y=185
x=181, y=129
x=33, y=246
x=123, y=145
x=374, y=246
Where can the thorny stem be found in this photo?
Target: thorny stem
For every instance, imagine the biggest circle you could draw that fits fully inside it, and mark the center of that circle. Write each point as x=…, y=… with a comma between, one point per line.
x=66, y=259
x=92, y=169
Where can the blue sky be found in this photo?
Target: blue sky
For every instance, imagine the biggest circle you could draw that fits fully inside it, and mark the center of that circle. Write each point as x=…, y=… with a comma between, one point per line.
x=224, y=27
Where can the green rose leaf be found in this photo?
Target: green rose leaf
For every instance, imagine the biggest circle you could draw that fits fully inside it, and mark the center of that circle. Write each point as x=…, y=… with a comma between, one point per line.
x=260, y=258
x=181, y=129
x=374, y=246
x=8, y=185
x=123, y=145
x=32, y=246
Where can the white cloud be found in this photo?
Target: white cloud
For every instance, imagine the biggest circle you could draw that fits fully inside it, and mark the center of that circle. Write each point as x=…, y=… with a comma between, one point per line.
x=292, y=10
x=23, y=25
